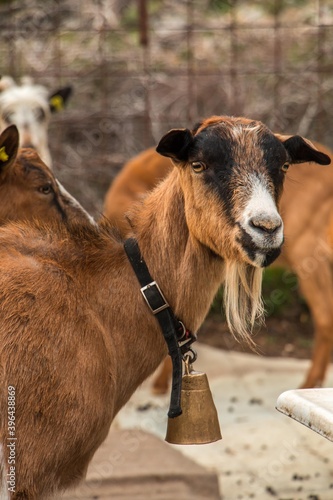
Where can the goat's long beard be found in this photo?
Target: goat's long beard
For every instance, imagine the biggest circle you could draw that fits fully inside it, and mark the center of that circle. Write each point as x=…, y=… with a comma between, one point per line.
x=242, y=299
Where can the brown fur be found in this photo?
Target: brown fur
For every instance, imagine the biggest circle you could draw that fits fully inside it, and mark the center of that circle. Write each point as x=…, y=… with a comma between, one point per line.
x=76, y=337
x=28, y=188
x=307, y=210
x=143, y=175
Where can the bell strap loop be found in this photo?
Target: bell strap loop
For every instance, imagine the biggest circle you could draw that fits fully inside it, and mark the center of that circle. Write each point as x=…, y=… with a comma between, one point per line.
x=171, y=328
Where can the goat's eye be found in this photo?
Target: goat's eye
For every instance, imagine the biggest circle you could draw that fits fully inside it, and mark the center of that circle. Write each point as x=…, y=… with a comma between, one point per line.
x=47, y=189
x=198, y=166
x=285, y=167
x=40, y=114
x=8, y=118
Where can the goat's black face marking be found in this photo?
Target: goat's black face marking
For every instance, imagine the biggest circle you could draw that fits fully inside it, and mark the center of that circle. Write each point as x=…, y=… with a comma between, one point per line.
x=271, y=257
x=227, y=160
x=275, y=157
x=245, y=165
x=215, y=151
x=244, y=168
x=251, y=249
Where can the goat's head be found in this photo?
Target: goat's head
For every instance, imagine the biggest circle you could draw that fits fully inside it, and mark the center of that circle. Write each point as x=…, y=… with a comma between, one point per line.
x=232, y=172
x=236, y=166
x=28, y=188
x=29, y=107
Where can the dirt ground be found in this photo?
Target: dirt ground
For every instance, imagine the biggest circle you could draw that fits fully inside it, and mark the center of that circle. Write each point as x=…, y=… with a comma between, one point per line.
x=288, y=336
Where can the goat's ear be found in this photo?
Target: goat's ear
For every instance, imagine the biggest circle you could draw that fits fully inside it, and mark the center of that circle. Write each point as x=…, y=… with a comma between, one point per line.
x=302, y=150
x=175, y=144
x=9, y=143
x=58, y=99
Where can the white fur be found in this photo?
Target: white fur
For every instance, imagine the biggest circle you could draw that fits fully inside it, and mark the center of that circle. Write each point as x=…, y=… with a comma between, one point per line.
x=72, y=201
x=238, y=130
x=261, y=205
x=21, y=103
x=242, y=299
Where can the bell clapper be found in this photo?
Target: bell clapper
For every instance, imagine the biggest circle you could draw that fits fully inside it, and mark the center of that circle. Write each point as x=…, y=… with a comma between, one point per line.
x=189, y=360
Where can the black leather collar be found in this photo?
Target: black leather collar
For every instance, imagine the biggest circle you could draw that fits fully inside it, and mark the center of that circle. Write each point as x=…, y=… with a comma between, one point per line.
x=178, y=339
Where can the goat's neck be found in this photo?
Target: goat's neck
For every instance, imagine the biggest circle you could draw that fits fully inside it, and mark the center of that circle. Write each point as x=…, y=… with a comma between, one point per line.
x=188, y=273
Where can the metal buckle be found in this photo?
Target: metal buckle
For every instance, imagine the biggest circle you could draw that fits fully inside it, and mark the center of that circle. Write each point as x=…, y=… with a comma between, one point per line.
x=157, y=290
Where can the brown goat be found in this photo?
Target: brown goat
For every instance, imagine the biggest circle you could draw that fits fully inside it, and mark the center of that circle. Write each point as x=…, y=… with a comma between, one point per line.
x=28, y=188
x=76, y=336
x=307, y=211
x=139, y=175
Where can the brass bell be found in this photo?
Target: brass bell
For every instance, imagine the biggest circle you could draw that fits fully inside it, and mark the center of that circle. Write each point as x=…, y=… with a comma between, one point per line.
x=198, y=423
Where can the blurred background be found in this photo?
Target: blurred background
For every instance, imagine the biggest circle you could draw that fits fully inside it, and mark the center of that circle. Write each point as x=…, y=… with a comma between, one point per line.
x=140, y=67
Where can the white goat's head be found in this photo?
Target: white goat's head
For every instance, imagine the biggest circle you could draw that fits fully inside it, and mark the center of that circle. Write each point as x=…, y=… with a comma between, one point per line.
x=29, y=107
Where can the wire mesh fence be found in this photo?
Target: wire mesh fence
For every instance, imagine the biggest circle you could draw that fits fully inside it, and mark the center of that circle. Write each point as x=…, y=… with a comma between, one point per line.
x=141, y=67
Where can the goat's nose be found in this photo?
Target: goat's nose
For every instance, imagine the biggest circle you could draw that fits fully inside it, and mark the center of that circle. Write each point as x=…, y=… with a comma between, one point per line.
x=267, y=224
x=28, y=145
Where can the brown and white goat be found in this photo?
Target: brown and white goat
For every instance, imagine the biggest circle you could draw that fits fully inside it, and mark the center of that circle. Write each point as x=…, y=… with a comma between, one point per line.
x=307, y=211
x=28, y=188
x=76, y=336
x=29, y=107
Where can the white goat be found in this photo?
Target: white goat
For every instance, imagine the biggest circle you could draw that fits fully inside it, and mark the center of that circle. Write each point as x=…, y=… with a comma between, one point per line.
x=29, y=107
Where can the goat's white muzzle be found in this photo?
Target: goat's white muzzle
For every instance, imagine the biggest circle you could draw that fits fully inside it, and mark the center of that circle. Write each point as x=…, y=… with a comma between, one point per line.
x=262, y=224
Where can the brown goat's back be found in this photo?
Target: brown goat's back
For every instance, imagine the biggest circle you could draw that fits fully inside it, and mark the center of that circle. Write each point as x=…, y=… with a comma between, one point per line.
x=138, y=176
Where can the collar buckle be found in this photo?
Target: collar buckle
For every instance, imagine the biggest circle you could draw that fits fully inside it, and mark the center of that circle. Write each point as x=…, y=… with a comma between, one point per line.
x=154, y=297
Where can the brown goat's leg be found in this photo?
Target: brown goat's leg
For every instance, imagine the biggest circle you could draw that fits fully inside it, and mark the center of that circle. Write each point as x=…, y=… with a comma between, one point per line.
x=318, y=292
x=161, y=382
x=320, y=360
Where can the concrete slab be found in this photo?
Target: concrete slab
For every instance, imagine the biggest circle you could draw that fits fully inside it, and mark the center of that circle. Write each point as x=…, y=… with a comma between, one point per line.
x=133, y=464
x=263, y=454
